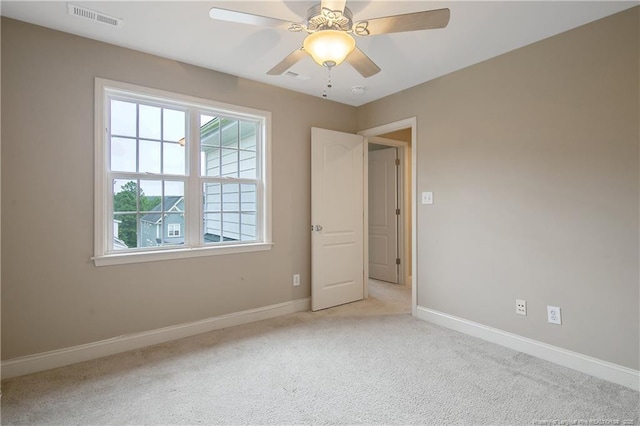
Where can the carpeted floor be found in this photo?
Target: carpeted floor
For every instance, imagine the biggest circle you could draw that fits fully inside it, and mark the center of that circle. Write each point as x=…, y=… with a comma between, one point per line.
x=368, y=362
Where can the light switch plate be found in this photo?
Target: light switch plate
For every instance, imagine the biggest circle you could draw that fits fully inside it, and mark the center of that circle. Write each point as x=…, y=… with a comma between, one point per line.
x=427, y=198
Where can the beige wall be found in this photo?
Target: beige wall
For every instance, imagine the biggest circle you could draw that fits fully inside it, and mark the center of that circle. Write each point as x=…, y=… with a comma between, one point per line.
x=0, y=178
x=533, y=160
x=52, y=295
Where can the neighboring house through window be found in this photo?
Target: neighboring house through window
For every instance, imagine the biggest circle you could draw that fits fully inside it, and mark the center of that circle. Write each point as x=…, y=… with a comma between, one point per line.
x=179, y=173
x=156, y=225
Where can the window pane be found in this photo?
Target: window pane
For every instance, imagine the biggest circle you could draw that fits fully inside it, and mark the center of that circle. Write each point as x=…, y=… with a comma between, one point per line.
x=209, y=145
x=231, y=226
x=212, y=197
x=123, y=155
x=204, y=119
x=210, y=161
x=125, y=234
x=173, y=125
x=248, y=197
x=149, y=156
x=125, y=194
x=248, y=226
x=248, y=206
x=174, y=158
x=173, y=226
x=150, y=195
x=173, y=188
x=174, y=203
x=149, y=122
x=230, y=197
x=229, y=163
x=123, y=118
x=229, y=133
x=248, y=164
x=150, y=230
x=248, y=135
x=212, y=227
x=209, y=130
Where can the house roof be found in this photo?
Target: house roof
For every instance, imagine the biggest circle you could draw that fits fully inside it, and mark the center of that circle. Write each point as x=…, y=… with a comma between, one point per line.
x=118, y=244
x=170, y=201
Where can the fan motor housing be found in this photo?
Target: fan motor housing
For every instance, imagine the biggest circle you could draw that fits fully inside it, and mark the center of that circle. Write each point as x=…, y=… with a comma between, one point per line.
x=319, y=19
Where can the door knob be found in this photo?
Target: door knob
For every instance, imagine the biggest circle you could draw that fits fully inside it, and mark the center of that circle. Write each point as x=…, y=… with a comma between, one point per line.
x=318, y=228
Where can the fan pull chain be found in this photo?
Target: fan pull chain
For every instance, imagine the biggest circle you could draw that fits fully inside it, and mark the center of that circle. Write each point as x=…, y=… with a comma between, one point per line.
x=329, y=85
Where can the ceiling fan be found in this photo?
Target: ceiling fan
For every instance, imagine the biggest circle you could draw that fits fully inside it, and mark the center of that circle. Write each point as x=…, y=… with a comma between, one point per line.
x=329, y=26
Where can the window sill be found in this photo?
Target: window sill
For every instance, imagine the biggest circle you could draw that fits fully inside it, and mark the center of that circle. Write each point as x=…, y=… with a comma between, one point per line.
x=182, y=253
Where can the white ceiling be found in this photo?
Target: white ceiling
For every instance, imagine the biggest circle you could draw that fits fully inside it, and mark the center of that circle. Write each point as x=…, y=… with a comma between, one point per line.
x=182, y=30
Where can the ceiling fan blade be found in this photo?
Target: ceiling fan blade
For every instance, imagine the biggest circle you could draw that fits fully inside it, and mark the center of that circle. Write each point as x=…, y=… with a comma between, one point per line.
x=362, y=63
x=288, y=62
x=248, y=18
x=427, y=20
x=333, y=4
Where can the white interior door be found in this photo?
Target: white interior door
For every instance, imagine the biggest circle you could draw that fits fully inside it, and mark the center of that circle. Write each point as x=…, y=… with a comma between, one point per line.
x=337, y=217
x=383, y=216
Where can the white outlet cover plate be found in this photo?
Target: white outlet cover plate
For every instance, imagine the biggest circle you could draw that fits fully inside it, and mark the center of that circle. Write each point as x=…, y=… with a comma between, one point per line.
x=554, y=315
x=521, y=307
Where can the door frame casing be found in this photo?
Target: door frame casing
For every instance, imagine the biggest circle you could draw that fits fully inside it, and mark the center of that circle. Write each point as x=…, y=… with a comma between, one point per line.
x=412, y=149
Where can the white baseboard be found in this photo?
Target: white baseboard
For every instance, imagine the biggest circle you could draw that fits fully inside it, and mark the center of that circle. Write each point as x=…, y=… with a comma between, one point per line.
x=59, y=358
x=593, y=366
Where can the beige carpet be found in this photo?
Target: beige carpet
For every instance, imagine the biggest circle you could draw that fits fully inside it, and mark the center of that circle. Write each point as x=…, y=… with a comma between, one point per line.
x=368, y=362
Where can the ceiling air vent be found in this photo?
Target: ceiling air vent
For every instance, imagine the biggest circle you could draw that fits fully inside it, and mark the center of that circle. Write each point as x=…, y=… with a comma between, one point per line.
x=92, y=15
x=296, y=75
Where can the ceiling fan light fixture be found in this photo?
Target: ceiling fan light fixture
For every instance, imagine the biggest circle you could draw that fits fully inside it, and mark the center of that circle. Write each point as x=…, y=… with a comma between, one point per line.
x=329, y=47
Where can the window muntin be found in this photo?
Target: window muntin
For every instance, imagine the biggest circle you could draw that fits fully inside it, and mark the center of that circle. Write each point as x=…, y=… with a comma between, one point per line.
x=151, y=174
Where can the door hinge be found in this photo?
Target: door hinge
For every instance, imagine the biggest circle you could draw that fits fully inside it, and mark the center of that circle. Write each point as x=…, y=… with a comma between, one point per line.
x=397, y=161
x=397, y=260
x=397, y=211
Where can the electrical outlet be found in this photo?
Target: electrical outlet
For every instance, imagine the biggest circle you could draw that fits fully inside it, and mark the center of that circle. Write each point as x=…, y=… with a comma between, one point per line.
x=521, y=307
x=553, y=314
x=296, y=279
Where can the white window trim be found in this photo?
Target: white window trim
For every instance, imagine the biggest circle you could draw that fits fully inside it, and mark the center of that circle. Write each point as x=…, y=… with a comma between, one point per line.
x=102, y=256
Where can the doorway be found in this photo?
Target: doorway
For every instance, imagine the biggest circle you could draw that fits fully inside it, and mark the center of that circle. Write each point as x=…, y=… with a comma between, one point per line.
x=339, y=172
x=385, y=220
x=401, y=136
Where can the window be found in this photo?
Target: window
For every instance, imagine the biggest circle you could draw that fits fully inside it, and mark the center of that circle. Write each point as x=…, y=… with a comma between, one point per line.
x=174, y=229
x=178, y=176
